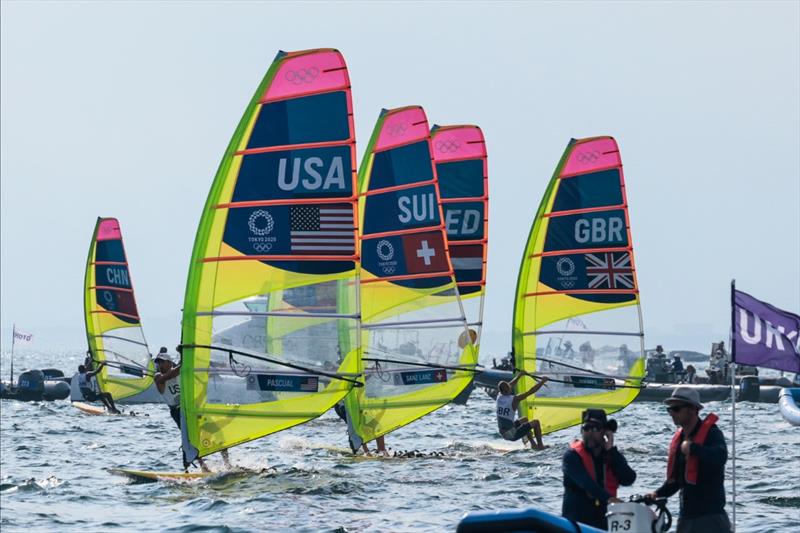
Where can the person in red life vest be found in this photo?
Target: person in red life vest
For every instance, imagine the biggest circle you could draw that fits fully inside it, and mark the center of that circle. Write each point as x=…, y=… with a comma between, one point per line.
x=593, y=470
x=696, y=465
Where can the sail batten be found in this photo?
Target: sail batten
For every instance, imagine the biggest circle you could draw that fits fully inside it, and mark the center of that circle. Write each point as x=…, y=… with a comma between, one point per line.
x=577, y=293
x=113, y=328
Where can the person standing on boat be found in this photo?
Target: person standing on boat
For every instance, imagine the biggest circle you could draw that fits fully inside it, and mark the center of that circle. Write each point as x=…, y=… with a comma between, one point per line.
x=87, y=383
x=696, y=466
x=168, y=383
x=593, y=470
x=507, y=402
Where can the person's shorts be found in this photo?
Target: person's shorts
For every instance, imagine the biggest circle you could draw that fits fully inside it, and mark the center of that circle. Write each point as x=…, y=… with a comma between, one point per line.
x=89, y=395
x=175, y=413
x=519, y=430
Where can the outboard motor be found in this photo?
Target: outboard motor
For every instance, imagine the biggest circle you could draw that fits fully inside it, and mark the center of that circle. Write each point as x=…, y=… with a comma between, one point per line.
x=30, y=385
x=749, y=389
x=635, y=516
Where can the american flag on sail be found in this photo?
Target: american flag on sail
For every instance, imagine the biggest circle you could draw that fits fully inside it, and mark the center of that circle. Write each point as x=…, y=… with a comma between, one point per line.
x=609, y=271
x=322, y=229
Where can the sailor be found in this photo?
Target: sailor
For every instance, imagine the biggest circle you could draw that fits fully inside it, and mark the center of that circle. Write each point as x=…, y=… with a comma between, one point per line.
x=593, y=470
x=507, y=403
x=89, y=389
x=696, y=465
x=168, y=383
x=691, y=375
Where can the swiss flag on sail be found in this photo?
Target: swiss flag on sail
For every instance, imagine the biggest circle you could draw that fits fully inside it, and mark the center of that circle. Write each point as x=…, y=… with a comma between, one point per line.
x=425, y=253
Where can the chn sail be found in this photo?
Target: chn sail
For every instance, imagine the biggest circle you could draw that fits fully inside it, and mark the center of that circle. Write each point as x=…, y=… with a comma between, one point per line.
x=416, y=352
x=462, y=170
x=577, y=317
x=113, y=329
x=270, y=318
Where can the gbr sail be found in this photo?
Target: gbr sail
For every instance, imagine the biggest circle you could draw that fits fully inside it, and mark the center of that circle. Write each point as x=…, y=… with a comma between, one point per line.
x=416, y=354
x=462, y=170
x=113, y=329
x=270, y=321
x=577, y=317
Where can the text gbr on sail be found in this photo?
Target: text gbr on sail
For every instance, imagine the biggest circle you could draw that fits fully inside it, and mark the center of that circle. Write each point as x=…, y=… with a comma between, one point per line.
x=599, y=230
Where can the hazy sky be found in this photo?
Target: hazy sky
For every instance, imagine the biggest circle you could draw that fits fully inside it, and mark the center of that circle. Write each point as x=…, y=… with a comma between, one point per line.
x=124, y=109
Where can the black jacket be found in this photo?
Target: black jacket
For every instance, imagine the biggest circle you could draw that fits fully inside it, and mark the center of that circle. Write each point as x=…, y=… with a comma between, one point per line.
x=586, y=500
x=708, y=495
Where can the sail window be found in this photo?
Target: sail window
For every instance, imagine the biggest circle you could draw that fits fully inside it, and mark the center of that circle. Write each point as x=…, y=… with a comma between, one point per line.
x=597, y=189
x=406, y=164
x=461, y=179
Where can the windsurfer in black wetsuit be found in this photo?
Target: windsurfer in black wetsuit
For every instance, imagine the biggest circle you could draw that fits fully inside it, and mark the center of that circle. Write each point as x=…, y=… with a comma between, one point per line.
x=90, y=394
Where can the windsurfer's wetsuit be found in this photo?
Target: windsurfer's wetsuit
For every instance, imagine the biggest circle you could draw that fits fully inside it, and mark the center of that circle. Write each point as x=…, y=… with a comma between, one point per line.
x=510, y=428
x=586, y=492
x=700, y=478
x=89, y=390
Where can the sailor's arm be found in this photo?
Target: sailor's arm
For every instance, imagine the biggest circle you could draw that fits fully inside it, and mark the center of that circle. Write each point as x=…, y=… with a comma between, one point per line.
x=713, y=451
x=533, y=390
x=93, y=373
x=666, y=490
x=573, y=468
x=162, y=378
x=622, y=470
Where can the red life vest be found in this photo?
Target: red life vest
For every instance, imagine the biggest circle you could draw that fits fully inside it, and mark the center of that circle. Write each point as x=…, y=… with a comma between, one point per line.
x=588, y=463
x=692, y=463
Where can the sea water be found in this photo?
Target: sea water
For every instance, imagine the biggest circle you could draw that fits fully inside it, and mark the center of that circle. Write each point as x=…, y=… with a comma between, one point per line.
x=53, y=476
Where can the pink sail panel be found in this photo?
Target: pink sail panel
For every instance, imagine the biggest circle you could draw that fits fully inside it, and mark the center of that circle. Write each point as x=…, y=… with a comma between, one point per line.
x=403, y=126
x=459, y=142
x=592, y=154
x=308, y=73
x=108, y=230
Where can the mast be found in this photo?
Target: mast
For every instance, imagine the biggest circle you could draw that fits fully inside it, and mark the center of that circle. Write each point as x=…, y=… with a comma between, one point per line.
x=13, y=338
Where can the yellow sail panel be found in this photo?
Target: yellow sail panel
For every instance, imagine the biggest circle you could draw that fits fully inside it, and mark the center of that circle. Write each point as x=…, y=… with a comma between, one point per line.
x=113, y=329
x=416, y=354
x=577, y=318
x=270, y=325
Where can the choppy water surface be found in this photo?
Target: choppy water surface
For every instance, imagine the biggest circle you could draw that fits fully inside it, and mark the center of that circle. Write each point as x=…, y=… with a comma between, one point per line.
x=54, y=460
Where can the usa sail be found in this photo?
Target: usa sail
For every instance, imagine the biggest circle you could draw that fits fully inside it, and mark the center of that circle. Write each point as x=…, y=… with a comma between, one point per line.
x=577, y=317
x=113, y=329
x=463, y=173
x=270, y=320
x=416, y=353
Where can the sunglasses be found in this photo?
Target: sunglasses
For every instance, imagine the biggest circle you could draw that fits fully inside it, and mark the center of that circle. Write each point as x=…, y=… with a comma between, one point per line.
x=592, y=428
x=675, y=408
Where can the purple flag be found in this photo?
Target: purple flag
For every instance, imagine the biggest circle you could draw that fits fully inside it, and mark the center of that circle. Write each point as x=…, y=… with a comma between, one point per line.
x=764, y=335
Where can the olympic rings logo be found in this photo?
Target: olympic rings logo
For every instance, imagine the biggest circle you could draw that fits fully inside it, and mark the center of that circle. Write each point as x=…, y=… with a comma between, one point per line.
x=448, y=145
x=268, y=221
x=388, y=270
x=302, y=75
x=262, y=246
x=567, y=284
x=565, y=266
x=396, y=130
x=588, y=157
x=385, y=250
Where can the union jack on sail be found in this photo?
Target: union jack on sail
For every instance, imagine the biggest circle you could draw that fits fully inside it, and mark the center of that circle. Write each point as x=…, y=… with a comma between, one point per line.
x=609, y=270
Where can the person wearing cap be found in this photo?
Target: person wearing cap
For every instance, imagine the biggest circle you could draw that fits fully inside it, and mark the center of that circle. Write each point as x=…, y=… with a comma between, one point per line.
x=593, y=471
x=507, y=402
x=168, y=383
x=696, y=465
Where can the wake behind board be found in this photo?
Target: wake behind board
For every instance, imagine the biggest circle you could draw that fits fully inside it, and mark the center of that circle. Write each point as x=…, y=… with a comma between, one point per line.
x=149, y=476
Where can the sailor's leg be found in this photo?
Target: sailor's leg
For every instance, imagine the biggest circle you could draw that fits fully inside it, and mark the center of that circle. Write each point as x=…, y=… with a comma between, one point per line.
x=537, y=430
x=226, y=459
x=203, y=466
x=381, y=444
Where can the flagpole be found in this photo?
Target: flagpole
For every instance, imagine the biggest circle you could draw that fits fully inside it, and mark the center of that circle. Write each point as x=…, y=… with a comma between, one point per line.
x=13, y=334
x=732, y=370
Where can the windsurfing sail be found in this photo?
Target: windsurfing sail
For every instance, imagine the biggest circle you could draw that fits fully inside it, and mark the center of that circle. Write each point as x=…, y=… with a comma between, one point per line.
x=463, y=173
x=417, y=356
x=270, y=318
x=113, y=329
x=577, y=317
